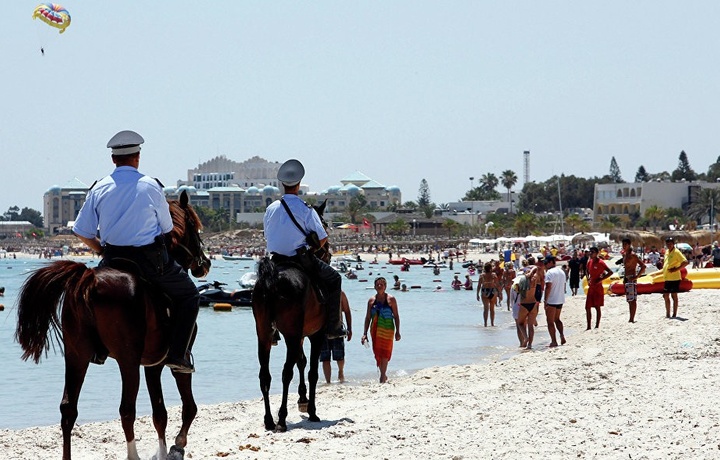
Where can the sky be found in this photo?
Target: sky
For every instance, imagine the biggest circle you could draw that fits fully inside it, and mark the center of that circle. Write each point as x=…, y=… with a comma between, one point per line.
x=399, y=90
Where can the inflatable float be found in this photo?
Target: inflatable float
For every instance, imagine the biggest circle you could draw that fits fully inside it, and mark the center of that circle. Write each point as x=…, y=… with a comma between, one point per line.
x=653, y=283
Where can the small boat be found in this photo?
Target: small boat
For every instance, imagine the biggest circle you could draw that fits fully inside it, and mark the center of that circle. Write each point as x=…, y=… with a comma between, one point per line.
x=214, y=293
x=403, y=261
x=247, y=280
x=234, y=257
x=435, y=264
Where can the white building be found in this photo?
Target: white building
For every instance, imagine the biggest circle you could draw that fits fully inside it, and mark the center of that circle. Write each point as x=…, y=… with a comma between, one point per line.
x=629, y=199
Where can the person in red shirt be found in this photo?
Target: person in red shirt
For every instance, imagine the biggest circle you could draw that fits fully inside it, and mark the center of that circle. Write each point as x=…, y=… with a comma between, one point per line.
x=596, y=271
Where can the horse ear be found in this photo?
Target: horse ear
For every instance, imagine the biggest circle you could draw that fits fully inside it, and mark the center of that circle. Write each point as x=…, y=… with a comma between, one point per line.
x=321, y=209
x=184, y=199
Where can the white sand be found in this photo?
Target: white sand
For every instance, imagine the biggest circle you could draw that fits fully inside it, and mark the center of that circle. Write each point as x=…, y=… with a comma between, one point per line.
x=639, y=391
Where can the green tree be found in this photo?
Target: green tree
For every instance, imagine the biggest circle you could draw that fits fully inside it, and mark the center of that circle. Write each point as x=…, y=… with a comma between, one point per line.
x=488, y=182
x=356, y=206
x=425, y=205
x=574, y=221
x=713, y=173
x=12, y=214
x=642, y=175
x=525, y=223
x=705, y=204
x=615, y=175
x=508, y=179
x=452, y=227
x=655, y=214
x=399, y=227
x=683, y=171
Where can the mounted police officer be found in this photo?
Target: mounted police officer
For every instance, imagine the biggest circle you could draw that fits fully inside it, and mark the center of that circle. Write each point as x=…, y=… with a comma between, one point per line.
x=291, y=239
x=126, y=216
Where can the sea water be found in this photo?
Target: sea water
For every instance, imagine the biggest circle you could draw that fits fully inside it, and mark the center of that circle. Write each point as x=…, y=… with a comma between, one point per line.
x=437, y=327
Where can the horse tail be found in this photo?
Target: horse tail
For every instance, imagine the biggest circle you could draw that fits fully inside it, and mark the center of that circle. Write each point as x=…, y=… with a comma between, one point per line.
x=39, y=303
x=266, y=284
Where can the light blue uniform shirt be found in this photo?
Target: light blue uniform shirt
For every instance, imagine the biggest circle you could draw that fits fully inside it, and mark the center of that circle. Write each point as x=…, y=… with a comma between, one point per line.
x=127, y=208
x=282, y=235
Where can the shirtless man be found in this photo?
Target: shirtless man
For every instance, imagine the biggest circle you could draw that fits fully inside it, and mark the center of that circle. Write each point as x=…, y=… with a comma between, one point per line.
x=634, y=268
x=528, y=307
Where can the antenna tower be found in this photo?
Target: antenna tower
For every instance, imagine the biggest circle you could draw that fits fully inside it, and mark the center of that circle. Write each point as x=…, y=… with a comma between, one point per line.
x=526, y=166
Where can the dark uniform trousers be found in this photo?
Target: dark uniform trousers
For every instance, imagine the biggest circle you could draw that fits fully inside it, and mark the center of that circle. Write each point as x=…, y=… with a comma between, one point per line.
x=163, y=272
x=332, y=281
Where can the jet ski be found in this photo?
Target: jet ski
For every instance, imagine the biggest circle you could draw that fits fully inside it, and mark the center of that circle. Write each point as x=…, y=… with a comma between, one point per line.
x=214, y=292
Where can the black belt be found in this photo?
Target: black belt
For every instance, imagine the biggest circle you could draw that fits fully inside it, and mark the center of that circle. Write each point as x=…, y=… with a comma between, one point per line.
x=130, y=249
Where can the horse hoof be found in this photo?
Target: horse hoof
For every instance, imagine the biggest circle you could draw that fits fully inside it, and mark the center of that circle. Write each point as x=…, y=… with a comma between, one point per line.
x=176, y=453
x=280, y=428
x=314, y=418
x=303, y=407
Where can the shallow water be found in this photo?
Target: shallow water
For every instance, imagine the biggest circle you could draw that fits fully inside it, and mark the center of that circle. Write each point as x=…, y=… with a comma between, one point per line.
x=438, y=328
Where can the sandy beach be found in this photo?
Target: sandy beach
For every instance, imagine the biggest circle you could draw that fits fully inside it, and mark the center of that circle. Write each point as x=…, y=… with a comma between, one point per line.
x=639, y=391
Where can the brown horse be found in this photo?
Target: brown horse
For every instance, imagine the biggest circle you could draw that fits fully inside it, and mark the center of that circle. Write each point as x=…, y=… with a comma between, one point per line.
x=285, y=300
x=89, y=309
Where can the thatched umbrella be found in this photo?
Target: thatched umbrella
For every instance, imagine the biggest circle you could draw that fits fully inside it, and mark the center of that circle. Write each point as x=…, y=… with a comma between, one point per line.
x=582, y=238
x=680, y=236
x=704, y=237
x=650, y=239
x=621, y=234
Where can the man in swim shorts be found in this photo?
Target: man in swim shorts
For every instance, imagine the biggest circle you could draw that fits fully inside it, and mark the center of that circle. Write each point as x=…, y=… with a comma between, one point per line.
x=596, y=271
x=673, y=263
x=336, y=346
x=634, y=268
x=554, y=299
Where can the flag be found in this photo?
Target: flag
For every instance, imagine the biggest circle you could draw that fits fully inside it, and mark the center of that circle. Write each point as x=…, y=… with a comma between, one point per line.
x=366, y=223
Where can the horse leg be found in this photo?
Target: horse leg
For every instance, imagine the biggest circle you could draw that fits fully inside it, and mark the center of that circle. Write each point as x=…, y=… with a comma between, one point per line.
x=302, y=388
x=75, y=371
x=294, y=345
x=189, y=411
x=315, y=344
x=265, y=379
x=130, y=375
x=159, y=412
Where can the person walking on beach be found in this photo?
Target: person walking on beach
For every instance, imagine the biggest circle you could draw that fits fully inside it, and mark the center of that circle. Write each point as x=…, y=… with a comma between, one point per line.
x=673, y=263
x=507, y=281
x=554, y=299
x=382, y=314
x=634, y=269
x=129, y=212
x=574, y=267
x=336, y=346
x=596, y=271
x=527, y=313
x=715, y=253
x=488, y=286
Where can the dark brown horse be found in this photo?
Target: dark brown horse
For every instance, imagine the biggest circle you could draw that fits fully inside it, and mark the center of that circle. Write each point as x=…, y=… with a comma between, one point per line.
x=284, y=300
x=88, y=309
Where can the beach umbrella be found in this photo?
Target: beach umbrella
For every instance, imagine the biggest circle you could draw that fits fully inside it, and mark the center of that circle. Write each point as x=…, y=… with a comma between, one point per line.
x=580, y=238
x=621, y=234
x=704, y=237
x=650, y=239
x=680, y=236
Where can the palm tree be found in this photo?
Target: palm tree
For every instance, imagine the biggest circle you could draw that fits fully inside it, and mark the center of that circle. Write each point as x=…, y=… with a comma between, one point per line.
x=508, y=179
x=574, y=221
x=655, y=214
x=525, y=223
x=488, y=182
x=705, y=204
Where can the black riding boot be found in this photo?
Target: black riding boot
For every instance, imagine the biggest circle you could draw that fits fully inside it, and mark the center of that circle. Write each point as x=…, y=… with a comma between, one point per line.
x=334, y=327
x=183, y=328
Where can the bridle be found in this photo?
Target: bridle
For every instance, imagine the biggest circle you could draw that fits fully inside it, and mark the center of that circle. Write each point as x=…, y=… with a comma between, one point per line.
x=191, y=246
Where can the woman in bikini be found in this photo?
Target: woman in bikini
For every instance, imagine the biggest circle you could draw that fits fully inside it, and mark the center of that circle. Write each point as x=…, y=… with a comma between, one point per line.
x=488, y=287
x=507, y=281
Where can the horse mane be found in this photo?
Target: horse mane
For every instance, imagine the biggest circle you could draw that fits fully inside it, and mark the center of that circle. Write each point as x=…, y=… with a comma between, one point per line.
x=177, y=212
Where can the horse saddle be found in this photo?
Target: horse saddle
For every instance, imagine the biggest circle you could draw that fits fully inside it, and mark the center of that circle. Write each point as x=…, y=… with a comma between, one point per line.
x=304, y=263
